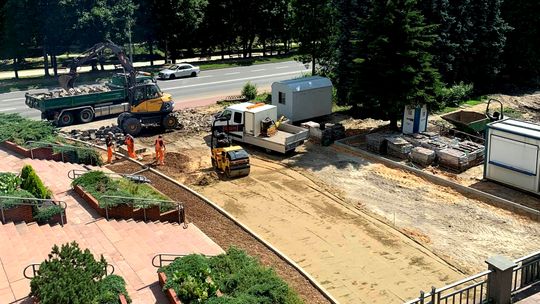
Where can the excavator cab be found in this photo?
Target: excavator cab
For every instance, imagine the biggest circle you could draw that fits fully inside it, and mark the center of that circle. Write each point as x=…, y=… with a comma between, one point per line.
x=232, y=160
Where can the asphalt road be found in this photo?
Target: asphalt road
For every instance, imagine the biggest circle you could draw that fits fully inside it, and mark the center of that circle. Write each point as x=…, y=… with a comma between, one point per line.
x=205, y=89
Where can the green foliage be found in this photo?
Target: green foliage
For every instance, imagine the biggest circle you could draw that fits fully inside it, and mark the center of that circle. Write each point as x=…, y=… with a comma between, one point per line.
x=8, y=182
x=17, y=129
x=111, y=286
x=69, y=275
x=33, y=184
x=250, y=91
x=19, y=193
x=264, y=97
x=455, y=95
x=45, y=213
x=240, y=278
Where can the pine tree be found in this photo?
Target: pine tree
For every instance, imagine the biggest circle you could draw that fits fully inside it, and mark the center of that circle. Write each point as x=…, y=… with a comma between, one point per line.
x=394, y=67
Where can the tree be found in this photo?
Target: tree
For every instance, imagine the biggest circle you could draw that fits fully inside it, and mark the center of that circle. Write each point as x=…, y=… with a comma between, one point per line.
x=394, y=67
x=16, y=35
x=313, y=24
x=522, y=52
x=218, y=26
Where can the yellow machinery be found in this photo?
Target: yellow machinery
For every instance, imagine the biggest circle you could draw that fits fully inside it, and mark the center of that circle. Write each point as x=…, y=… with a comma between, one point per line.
x=231, y=160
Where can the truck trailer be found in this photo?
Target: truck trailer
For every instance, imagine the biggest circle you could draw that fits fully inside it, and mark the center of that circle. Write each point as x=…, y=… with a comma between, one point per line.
x=245, y=122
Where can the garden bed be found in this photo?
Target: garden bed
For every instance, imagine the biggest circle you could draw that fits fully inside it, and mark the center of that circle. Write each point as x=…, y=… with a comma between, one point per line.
x=233, y=277
x=96, y=188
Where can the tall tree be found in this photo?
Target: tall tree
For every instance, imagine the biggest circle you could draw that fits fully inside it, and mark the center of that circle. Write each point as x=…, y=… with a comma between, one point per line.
x=313, y=24
x=394, y=68
x=522, y=52
x=16, y=32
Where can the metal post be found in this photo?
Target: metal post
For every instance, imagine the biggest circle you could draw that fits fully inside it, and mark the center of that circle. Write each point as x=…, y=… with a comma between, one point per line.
x=433, y=295
x=31, y=152
x=499, y=283
x=62, y=153
x=107, y=213
x=144, y=212
x=421, y=297
x=62, y=217
x=2, y=209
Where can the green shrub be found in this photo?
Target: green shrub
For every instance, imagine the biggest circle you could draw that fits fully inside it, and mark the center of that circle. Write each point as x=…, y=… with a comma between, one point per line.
x=69, y=275
x=111, y=286
x=239, y=277
x=455, y=95
x=9, y=182
x=20, y=193
x=45, y=213
x=17, y=129
x=33, y=184
x=250, y=91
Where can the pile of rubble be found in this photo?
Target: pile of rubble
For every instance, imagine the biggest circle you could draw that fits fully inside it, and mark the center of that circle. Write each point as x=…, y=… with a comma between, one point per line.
x=98, y=136
x=81, y=90
x=192, y=121
x=428, y=148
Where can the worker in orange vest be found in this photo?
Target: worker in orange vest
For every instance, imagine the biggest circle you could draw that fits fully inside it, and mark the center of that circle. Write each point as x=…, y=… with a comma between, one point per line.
x=160, y=150
x=130, y=143
x=110, y=147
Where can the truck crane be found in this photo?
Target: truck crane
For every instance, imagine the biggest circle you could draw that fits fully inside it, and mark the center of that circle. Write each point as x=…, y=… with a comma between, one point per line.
x=134, y=95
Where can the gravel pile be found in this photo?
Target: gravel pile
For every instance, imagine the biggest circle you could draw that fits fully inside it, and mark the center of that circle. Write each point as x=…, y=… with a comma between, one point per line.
x=192, y=121
x=97, y=136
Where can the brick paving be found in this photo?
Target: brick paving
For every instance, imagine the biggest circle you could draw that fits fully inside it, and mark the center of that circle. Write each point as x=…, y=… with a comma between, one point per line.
x=126, y=244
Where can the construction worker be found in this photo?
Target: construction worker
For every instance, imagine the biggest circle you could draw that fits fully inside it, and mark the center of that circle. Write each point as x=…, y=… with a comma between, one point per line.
x=130, y=143
x=109, y=141
x=160, y=150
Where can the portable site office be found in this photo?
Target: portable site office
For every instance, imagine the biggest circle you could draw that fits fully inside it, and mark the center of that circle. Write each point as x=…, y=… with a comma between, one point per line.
x=303, y=98
x=512, y=154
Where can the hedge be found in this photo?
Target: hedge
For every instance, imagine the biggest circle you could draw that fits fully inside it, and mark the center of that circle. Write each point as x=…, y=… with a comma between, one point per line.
x=19, y=130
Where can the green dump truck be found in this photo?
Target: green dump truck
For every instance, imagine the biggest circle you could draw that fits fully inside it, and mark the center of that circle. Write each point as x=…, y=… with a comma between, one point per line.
x=84, y=103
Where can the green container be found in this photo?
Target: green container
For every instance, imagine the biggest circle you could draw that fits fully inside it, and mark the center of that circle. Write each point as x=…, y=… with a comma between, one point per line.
x=468, y=121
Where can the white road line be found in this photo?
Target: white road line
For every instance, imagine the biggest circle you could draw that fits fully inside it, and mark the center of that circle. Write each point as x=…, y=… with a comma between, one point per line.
x=258, y=70
x=232, y=73
x=8, y=109
x=13, y=99
x=232, y=80
x=283, y=67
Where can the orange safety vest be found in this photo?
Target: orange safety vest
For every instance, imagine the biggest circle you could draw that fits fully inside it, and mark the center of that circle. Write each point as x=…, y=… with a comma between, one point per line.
x=159, y=144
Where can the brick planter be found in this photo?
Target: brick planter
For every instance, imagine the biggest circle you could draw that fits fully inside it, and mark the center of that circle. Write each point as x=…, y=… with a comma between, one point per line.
x=21, y=213
x=121, y=300
x=38, y=153
x=170, y=293
x=127, y=212
x=57, y=219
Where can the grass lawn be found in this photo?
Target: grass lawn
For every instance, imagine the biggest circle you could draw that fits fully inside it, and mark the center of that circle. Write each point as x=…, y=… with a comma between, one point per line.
x=23, y=84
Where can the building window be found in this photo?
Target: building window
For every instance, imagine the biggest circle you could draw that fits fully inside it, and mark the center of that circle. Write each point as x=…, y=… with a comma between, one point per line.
x=281, y=98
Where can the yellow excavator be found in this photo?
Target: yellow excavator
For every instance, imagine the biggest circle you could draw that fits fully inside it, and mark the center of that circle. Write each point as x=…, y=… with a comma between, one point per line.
x=231, y=160
x=147, y=104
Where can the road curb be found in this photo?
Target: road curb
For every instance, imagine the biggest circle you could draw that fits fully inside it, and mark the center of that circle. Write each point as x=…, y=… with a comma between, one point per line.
x=485, y=197
x=306, y=275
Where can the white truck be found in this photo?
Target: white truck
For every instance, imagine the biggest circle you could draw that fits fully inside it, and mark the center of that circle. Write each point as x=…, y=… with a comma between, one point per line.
x=244, y=124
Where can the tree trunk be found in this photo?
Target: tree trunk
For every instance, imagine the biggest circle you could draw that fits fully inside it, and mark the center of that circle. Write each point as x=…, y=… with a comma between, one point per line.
x=393, y=124
x=151, y=53
x=166, y=52
x=312, y=65
x=222, y=52
x=264, y=48
x=45, y=60
x=16, y=67
x=55, y=65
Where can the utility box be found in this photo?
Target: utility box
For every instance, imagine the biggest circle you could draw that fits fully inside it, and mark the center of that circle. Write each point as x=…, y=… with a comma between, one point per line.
x=415, y=120
x=512, y=152
x=303, y=99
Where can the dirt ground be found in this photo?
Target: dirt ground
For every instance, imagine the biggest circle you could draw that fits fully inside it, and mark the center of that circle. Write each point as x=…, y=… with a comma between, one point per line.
x=368, y=233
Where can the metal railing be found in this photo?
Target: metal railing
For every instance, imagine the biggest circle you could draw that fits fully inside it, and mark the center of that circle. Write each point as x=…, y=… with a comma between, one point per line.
x=38, y=202
x=144, y=203
x=35, y=268
x=526, y=273
x=60, y=147
x=164, y=259
x=75, y=173
x=471, y=290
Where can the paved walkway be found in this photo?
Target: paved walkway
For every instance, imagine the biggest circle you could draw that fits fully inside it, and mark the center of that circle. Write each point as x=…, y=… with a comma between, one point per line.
x=128, y=245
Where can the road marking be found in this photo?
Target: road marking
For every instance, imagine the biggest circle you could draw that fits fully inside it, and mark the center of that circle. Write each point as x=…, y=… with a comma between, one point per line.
x=232, y=80
x=13, y=99
x=8, y=109
x=258, y=70
x=233, y=73
x=282, y=67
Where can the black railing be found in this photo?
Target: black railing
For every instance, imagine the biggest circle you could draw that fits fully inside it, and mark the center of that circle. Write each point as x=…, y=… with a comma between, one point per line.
x=35, y=269
x=526, y=273
x=75, y=173
x=164, y=259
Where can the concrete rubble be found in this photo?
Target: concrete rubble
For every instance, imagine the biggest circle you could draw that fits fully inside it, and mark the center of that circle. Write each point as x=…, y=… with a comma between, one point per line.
x=80, y=90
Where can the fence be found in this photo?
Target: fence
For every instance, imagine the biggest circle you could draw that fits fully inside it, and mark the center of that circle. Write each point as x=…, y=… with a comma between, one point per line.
x=35, y=269
x=30, y=202
x=504, y=280
x=164, y=259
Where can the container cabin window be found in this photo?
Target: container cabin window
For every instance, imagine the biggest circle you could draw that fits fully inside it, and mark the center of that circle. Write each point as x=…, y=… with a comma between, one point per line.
x=281, y=98
x=237, y=117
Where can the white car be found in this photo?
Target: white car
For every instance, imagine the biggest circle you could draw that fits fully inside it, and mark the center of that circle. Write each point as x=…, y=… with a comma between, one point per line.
x=179, y=70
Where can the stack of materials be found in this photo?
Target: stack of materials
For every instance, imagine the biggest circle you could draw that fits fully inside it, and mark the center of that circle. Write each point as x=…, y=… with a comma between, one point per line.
x=376, y=142
x=453, y=159
x=338, y=130
x=314, y=128
x=422, y=156
x=327, y=137
x=474, y=151
x=398, y=147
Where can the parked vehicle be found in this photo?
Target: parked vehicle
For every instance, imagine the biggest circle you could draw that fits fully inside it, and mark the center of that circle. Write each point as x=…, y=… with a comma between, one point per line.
x=232, y=160
x=179, y=70
x=257, y=124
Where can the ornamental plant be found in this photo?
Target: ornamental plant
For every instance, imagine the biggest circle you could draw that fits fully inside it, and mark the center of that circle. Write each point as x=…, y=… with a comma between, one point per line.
x=33, y=184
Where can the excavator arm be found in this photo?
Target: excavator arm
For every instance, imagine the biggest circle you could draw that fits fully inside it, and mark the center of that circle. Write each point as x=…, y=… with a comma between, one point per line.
x=67, y=81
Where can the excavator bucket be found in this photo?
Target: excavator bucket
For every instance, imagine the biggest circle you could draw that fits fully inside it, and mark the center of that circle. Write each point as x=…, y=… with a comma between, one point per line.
x=66, y=81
